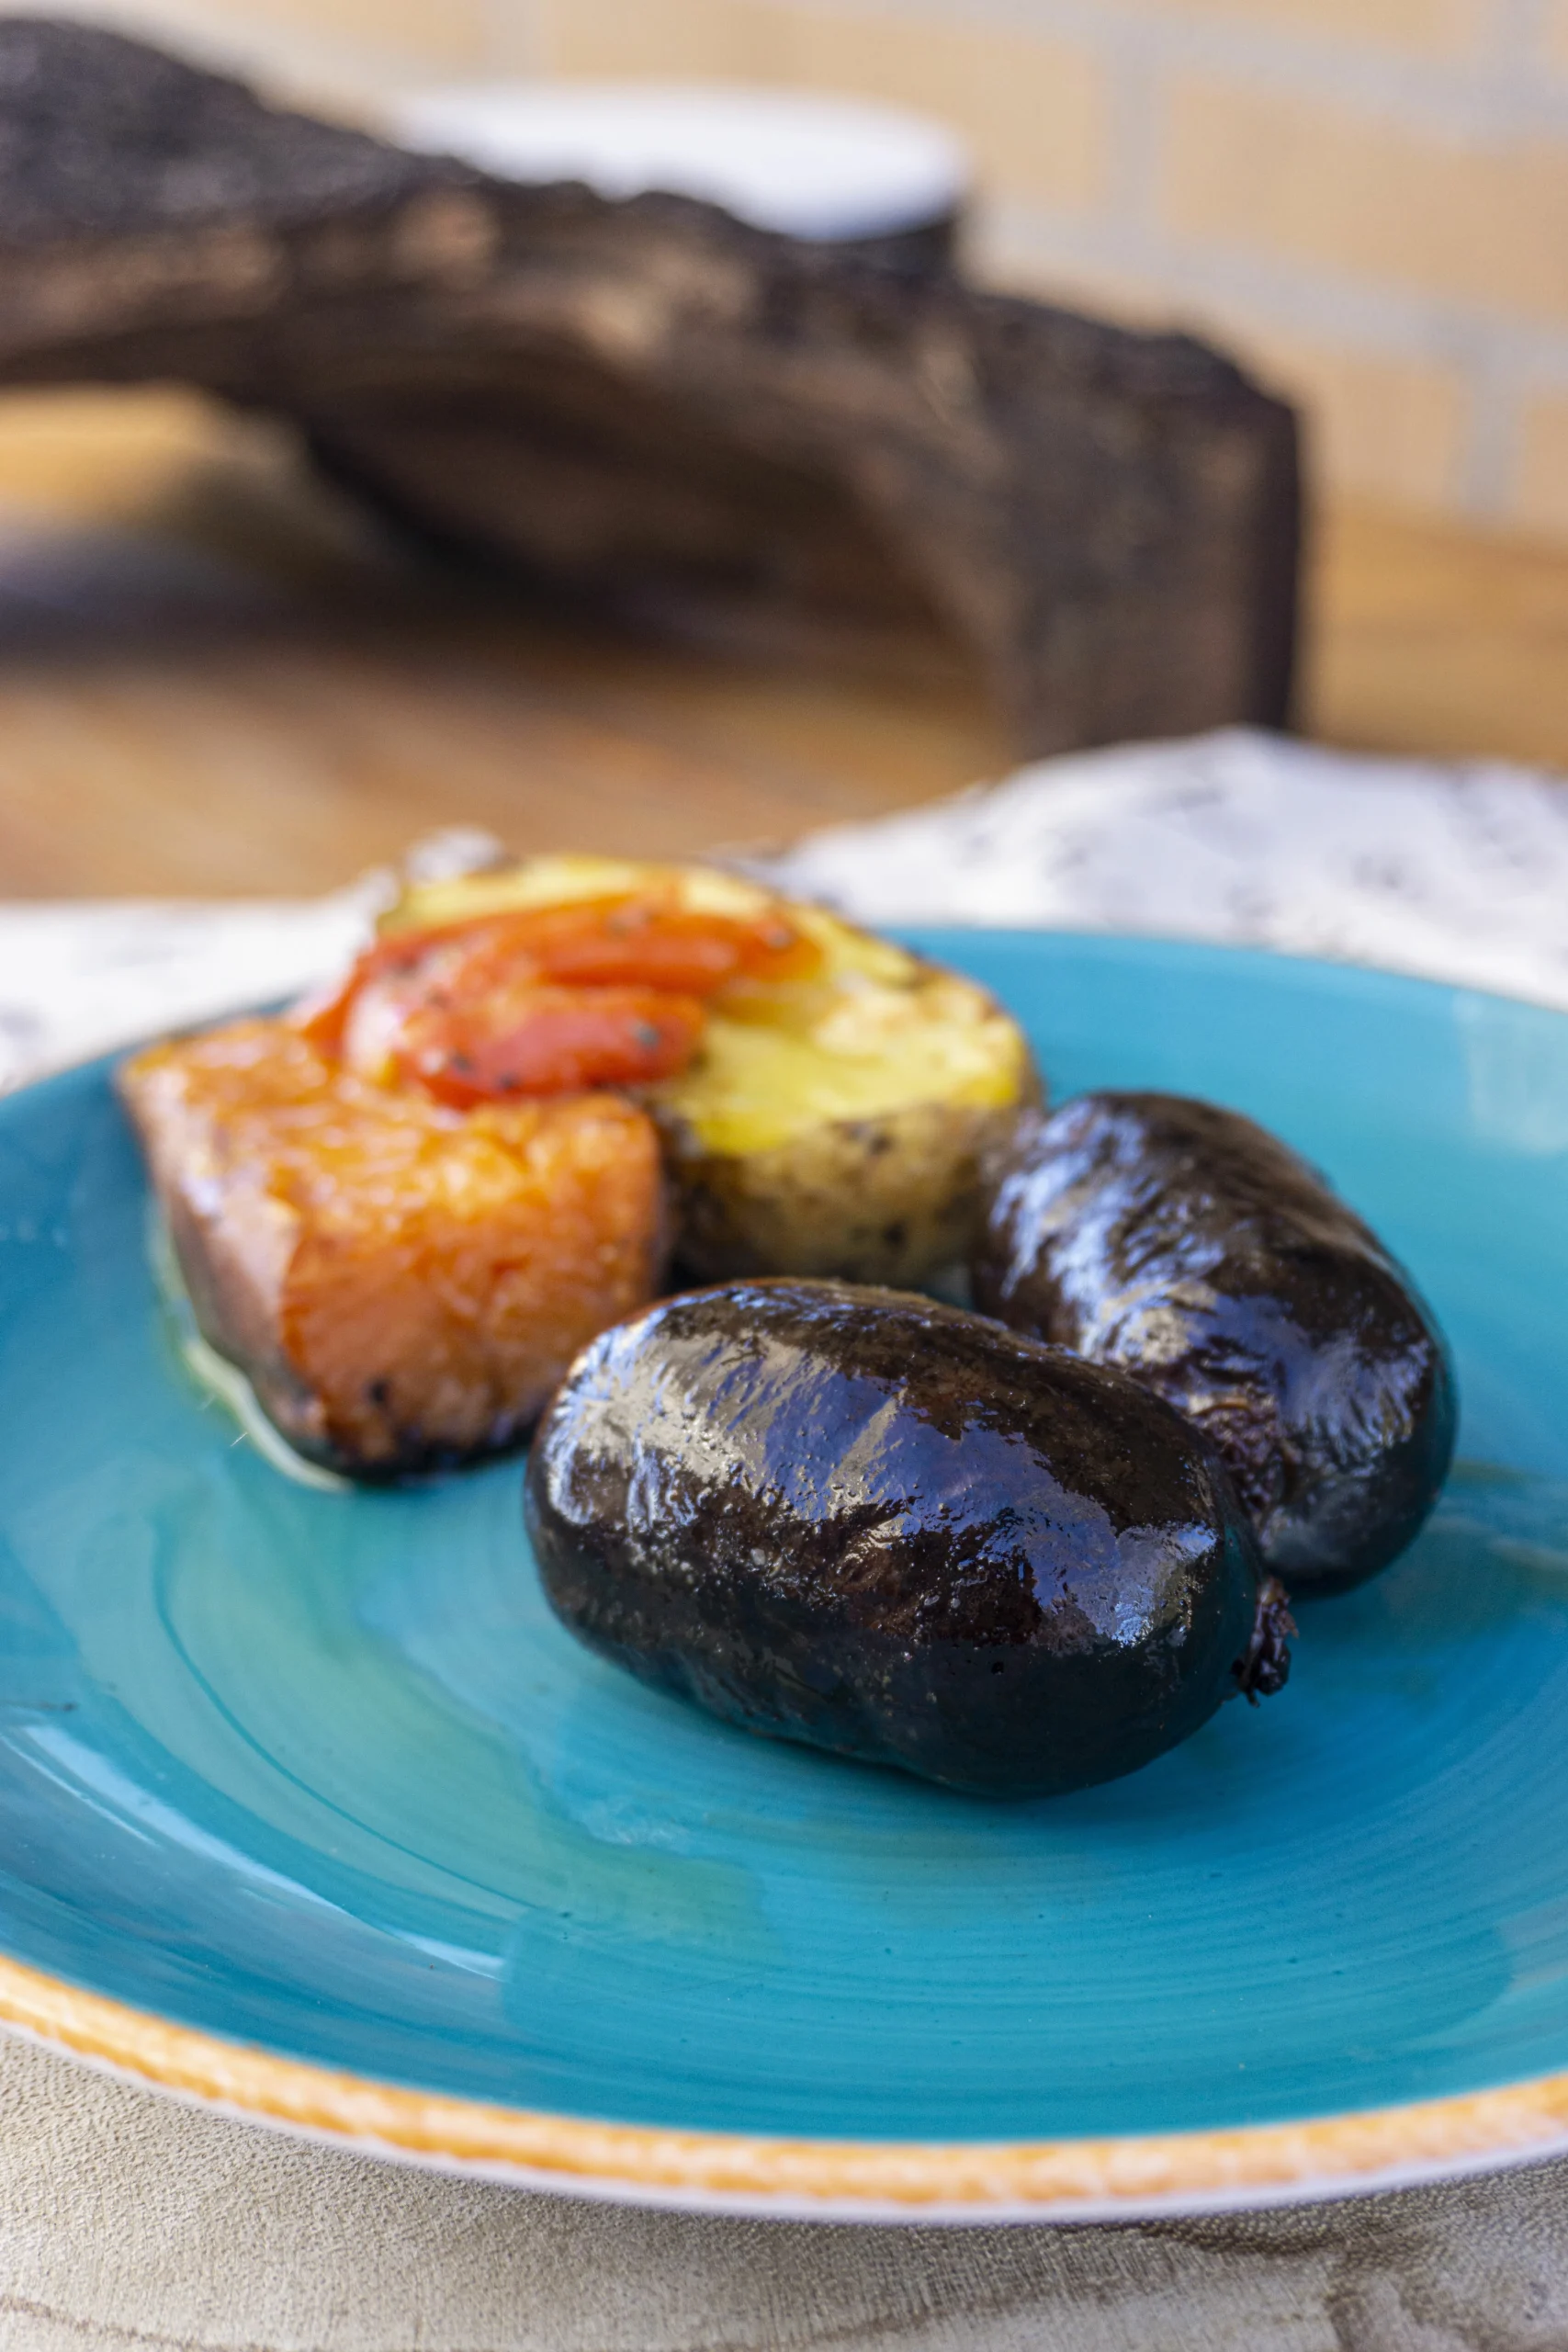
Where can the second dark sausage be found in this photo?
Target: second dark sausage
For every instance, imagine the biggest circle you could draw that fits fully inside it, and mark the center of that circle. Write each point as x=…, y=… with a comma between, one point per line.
x=1190, y=1247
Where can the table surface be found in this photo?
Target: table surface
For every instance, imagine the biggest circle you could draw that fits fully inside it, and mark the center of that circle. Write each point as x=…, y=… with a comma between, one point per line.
x=216, y=677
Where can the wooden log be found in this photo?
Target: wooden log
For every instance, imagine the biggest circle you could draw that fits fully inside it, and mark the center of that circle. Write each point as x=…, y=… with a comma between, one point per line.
x=650, y=404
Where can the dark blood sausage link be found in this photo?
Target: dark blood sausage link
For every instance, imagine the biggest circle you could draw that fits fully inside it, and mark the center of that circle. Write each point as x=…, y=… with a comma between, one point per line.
x=1189, y=1247
x=854, y=1518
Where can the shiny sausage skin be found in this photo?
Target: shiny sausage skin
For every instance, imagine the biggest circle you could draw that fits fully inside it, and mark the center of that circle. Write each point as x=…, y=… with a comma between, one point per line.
x=853, y=1518
x=1193, y=1250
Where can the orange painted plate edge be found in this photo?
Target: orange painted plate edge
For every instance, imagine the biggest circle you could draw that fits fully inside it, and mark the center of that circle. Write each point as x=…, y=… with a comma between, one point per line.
x=1047, y=2180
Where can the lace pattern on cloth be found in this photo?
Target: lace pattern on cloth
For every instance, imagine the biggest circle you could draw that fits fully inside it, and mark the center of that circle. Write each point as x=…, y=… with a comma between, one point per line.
x=1459, y=873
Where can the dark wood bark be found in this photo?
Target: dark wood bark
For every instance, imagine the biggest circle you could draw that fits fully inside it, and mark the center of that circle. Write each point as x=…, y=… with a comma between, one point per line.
x=650, y=403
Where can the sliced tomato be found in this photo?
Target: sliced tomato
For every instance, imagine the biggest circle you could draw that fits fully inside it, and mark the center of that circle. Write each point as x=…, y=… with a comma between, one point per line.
x=653, y=943
x=483, y=1008
x=323, y=1018
x=554, y=1040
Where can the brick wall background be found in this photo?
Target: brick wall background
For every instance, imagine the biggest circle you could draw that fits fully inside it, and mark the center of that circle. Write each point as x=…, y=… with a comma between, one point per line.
x=1368, y=198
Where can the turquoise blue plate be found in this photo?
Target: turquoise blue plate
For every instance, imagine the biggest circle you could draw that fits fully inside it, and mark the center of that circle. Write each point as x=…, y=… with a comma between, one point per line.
x=315, y=1777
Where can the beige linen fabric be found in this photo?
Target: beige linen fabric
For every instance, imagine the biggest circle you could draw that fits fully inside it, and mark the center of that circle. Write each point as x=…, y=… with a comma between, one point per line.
x=128, y=2222
x=132, y=2224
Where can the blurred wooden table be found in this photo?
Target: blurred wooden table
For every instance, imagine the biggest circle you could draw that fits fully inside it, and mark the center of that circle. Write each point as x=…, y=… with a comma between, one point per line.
x=213, y=678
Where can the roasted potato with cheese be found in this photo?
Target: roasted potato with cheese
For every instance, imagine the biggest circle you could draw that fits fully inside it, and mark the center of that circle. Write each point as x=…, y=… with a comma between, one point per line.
x=839, y=1105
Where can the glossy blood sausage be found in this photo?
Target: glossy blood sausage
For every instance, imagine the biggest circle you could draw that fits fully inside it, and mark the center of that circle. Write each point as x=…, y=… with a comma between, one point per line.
x=1190, y=1248
x=854, y=1518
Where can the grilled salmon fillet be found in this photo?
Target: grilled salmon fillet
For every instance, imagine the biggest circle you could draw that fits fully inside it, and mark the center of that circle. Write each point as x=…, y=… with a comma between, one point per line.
x=402, y=1282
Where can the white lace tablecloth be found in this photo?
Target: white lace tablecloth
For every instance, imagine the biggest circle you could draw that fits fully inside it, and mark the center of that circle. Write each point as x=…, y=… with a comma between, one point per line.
x=1459, y=873
x=128, y=2222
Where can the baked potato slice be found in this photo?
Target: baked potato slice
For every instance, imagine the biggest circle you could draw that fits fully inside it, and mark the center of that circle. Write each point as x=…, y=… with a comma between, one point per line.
x=835, y=1124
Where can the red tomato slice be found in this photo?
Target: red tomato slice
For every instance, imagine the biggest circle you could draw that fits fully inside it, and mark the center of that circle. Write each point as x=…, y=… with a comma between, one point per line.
x=554, y=1041
x=483, y=1008
x=641, y=942
x=323, y=1018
